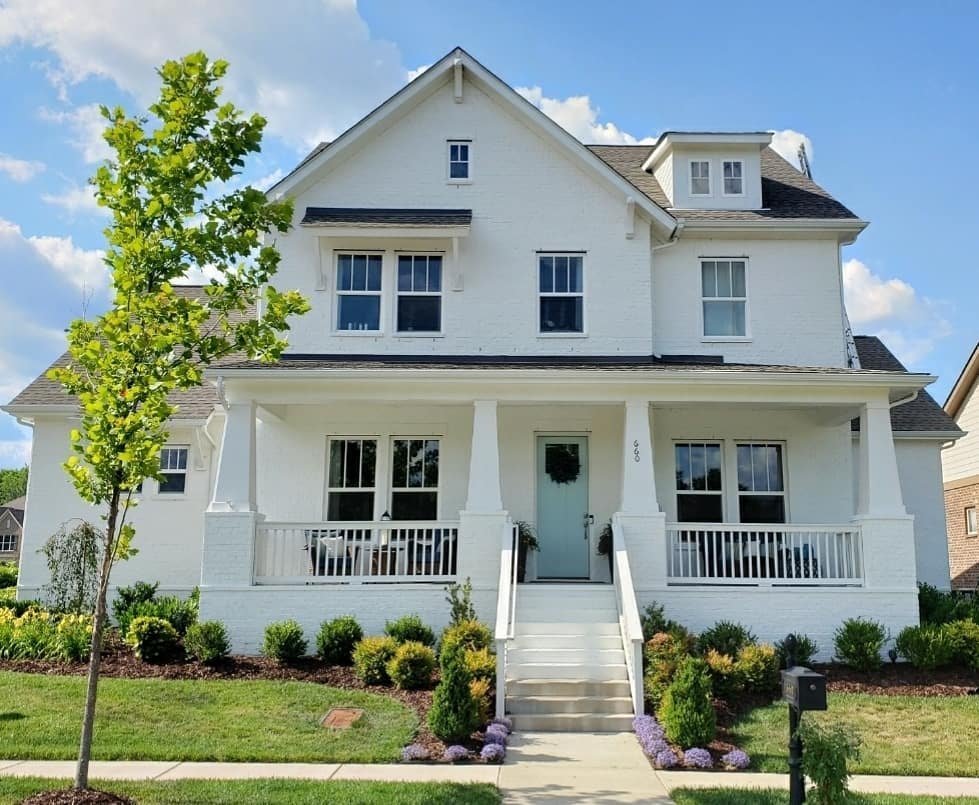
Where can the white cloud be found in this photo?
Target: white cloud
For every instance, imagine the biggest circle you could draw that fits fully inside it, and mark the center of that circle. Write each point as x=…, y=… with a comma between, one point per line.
x=76, y=200
x=413, y=74
x=579, y=117
x=311, y=80
x=910, y=325
x=265, y=182
x=19, y=170
x=82, y=268
x=86, y=125
x=786, y=143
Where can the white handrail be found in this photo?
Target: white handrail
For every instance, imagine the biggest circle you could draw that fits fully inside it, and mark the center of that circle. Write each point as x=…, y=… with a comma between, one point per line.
x=506, y=608
x=630, y=626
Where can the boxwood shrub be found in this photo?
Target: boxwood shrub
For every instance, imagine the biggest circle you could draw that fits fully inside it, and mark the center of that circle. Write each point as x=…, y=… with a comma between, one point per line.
x=153, y=639
x=337, y=638
x=411, y=666
x=371, y=658
x=410, y=628
x=284, y=641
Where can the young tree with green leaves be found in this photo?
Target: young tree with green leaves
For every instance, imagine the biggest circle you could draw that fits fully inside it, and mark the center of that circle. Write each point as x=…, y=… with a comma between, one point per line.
x=162, y=188
x=13, y=484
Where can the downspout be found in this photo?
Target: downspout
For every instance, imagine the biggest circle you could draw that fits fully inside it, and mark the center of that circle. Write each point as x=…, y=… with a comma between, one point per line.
x=674, y=236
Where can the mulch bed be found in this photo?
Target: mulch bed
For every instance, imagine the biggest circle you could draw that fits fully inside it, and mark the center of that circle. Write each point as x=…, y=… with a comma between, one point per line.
x=900, y=679
x=72, y=797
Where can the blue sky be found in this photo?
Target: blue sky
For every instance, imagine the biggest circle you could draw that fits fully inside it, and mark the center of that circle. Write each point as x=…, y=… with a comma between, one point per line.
x=886, y=96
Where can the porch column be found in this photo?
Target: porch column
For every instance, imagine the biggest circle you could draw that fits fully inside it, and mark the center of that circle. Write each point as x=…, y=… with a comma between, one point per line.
x=879, y=487
x=484, y=460
x=234, y=487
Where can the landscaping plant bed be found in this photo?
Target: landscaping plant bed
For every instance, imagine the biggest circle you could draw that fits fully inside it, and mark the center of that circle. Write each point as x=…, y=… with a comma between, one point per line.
x=69, y=796
x=901, y=679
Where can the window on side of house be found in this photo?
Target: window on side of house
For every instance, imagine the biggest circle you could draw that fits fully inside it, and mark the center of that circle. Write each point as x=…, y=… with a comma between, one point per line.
x=419, y=308
x=725, y=298
x=358, y=284
x=733, y=177
x=460, y=153
x=173, y=467
x=562, y=293
x=351, y=479
x=699, y=485
x=761, y=483
x=8, y=543
x=700, y=177
x=414, y=479
x=971, y=521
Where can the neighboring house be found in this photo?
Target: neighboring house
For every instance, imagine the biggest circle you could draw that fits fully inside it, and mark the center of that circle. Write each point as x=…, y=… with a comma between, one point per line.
x=960, y=468
x=11, y=528
x=508, y=325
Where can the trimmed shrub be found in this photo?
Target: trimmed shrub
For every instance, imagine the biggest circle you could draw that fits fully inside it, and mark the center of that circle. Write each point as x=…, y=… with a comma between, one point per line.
x=481, y=664
x=858, y=643
x=128, y=599
x=8, y=574
x=757, y=666
x=963, y=637
x=828, y=749
x=153, y=639
x=926, y=647
x=284, y=641
x=937, y=607
x=454, y=713
x=480, y=690
x=654, y=621
x=726, y=682
x=410, y=628
x=805, y=649
x=687, y=714
x=664, y=653
x=337, y=638
x=74, y=638
x=371, y=657
x=467, y=634
x=207, y=642
x=725, y=637
x=411, y=666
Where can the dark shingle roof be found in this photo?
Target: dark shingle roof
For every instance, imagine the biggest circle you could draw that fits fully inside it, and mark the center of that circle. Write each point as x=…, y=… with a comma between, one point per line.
x=786, y=192
x=382, y=216
x=922, y=414
x=16, y=508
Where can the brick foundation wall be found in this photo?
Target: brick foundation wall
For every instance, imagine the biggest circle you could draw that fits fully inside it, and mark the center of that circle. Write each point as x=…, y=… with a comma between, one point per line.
x=963, y=550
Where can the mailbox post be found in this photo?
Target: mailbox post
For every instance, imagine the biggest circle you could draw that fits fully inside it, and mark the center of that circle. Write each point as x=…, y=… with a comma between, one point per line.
x=804, y=690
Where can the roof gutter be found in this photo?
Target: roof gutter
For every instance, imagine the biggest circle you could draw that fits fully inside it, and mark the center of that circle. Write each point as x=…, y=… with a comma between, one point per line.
x=674, y=237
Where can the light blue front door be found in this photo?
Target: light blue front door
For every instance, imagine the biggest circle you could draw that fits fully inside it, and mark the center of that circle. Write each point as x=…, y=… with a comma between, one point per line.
x=562, y=507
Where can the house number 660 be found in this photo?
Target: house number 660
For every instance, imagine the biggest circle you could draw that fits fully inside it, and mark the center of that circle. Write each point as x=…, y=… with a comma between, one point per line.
x=635, y=451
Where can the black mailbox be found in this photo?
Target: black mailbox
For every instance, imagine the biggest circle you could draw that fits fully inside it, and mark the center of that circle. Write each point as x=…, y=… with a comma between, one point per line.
x=804, y=689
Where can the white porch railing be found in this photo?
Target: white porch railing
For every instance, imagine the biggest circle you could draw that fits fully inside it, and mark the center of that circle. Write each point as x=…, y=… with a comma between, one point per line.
x=506, y=608
x=764, y=554
x=630, y=627
x=352, y=552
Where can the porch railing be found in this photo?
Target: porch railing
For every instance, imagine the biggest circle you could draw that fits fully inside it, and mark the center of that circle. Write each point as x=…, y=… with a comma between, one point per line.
x=764, y=554
x=356, y=552
x=630, y=627
x=506, y=609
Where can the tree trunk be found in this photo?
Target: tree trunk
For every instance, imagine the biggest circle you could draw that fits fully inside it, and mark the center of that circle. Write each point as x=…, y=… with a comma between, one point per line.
x=95, y=660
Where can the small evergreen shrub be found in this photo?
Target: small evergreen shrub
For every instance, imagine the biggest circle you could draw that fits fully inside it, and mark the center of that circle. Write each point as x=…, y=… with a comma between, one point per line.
x=926, y=647
x=459, y=599
x=805, y=649
x=468, y=634
x=74, y=638
x=858, y=643
x=371, y=657
x=411, y=666
x=480, y=664
x=726, y=682
x=284, y=641
x=480, y=690
x=654, y=621
x=337, y=638
x=827, y=751
x=725, y=637
x=454, y=713
x=127, y=600
x=207, y=642
x=963, y=637
x=410, y=628
x=663, y=653
x=8, y=575
x=937, y=607
x=758, y=666
x=687, y=714
x=153, y=639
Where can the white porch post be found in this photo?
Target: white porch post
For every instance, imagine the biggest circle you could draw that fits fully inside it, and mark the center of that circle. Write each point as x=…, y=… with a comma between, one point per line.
x=484, y=460
x=232, y=516
x=879, y=487
x=643, y=524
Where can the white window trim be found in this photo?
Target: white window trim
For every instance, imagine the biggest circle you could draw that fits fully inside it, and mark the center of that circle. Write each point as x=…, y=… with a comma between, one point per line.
x=722, y=492
x=583, y=293
x=974, y=530
x=160, y=494
x=448, y=159
x=336, y=293
x=399, y=293
x=353, y=437
x=8, y=542
x=724, y=339
x=723, y=188
x=710, y=178
x=390, y=480
x=785, y=474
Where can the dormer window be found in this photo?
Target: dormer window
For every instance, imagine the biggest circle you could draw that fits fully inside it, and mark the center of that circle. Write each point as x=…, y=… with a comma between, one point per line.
x=460, y=152
x=700, y=177
x=733, y=177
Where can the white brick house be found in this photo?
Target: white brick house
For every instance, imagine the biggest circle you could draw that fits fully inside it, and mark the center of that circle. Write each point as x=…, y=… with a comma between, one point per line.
x=507, y=325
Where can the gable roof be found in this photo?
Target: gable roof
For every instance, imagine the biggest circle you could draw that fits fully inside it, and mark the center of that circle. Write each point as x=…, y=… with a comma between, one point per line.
x=964, y=384
x=16, y=508
x=920, y=415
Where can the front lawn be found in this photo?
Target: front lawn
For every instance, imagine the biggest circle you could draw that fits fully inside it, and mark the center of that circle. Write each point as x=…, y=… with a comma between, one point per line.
x=901, y=734
x=154, y=719
x=272, y=792
x=730, y=796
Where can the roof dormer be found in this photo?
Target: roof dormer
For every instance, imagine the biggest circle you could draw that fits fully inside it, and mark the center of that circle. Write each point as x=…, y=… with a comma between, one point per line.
x=709, y=171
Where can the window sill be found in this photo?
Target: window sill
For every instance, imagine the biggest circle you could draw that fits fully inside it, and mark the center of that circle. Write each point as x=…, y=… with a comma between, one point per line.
x=726, y=339
x=458, y=181
x=419, y=335
x=562, y=335
x=174, y=496
x=358, y=333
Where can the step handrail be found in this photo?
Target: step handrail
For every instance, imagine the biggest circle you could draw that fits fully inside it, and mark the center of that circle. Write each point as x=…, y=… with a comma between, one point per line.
x=630, y=626
x=506, y=609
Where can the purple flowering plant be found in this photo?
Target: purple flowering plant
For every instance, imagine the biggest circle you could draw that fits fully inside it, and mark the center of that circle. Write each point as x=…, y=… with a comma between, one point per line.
x=736, y=759
x=415, y=752
x=497, y=737
x=493, y=753
x=455, y=753
x=504, y=722
x=698, y=758
x=649, y=732
x=666, y=759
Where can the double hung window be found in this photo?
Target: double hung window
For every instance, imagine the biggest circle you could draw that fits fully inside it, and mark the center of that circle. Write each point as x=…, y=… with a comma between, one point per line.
x=733, y=177
x=459, y=160
x=352, y=473
x=725, y=298
x=761, y=483
x=358, y=292
x=700, y=177
x=561, y=292
x=8, y=543
x=699, y=485
x=173, y=467
x=971, y=522
x=419, y=293
x=414, y=479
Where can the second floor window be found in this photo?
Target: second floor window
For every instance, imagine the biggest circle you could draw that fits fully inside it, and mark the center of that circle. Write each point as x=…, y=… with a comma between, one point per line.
x=419, y=293
x=8, y=543
x=459, y=154
x=700, y=177
x=725, y=298
x=358, y=292
x=971, y=523
x=733, y=178
x=562, y=293
x=173, y=467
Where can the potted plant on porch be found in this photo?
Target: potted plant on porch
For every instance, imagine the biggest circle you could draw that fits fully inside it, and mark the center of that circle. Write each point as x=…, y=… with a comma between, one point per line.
x=526, y=541
x=605, y=547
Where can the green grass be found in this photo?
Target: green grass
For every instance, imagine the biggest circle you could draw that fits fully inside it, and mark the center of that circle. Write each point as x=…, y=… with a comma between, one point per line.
x=729, y=796
x=151, y=719
x=270, y=792
x=906, y=735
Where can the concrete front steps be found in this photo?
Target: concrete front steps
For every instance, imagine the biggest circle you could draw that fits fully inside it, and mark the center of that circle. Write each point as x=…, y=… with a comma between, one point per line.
x=566, y=667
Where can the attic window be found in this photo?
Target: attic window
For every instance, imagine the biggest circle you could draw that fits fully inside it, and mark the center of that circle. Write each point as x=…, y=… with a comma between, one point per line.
x=700, y=177
x=733, y=177
x=460, y=152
